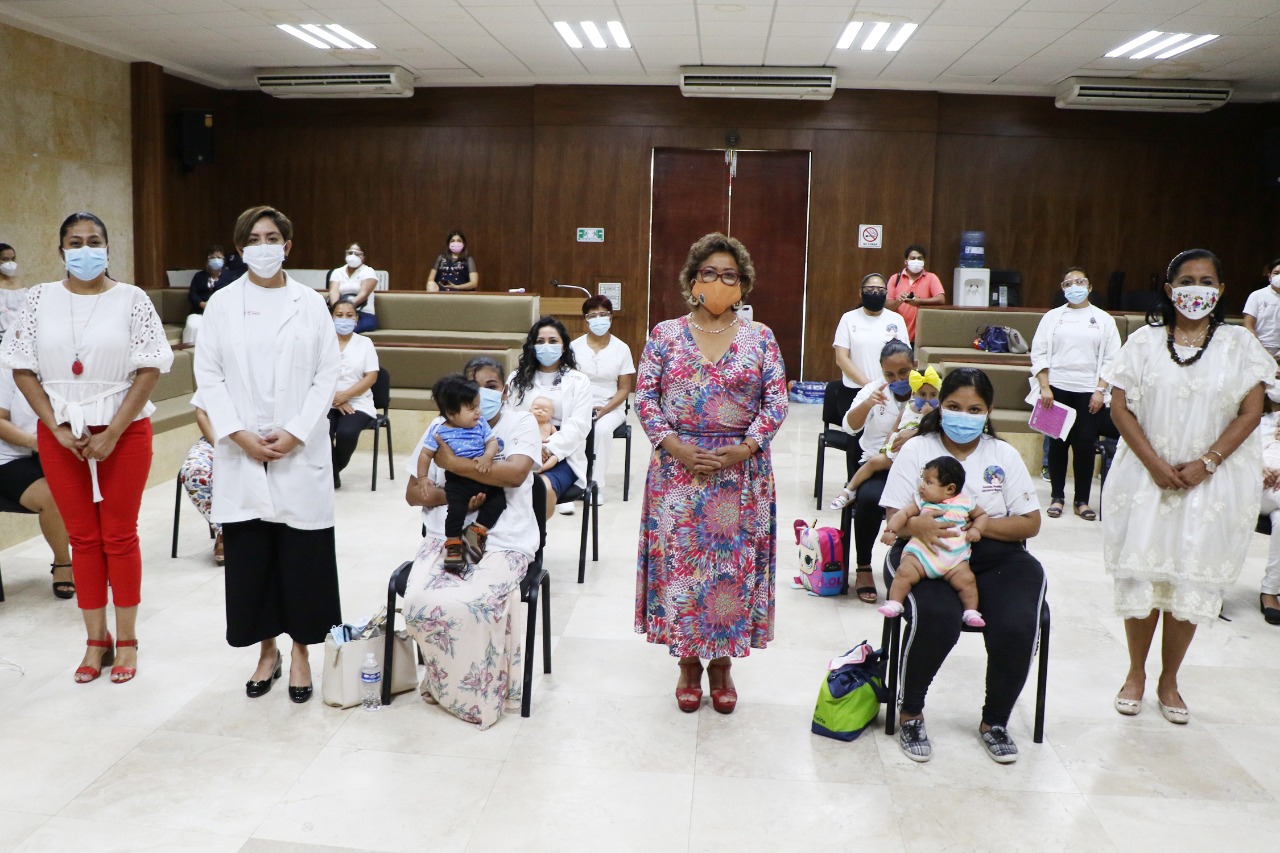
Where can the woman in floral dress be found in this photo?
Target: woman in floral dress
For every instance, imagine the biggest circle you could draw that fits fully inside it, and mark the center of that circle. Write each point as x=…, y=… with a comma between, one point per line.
x=711, y=394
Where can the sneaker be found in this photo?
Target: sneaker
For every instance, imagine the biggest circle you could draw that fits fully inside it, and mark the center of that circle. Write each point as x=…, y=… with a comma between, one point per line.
x=1044, y=472
x=455, y=556
x=914, y=741
x=475, y=538
x=565, y=508
x=999, y=745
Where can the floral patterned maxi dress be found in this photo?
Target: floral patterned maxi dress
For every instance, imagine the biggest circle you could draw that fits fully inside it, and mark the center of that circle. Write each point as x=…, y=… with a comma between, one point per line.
x=708, y=543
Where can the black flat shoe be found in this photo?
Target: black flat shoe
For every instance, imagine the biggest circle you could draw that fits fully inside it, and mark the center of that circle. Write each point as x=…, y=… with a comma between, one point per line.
x=300, y=694
x=1271, y=614
x=254, y=689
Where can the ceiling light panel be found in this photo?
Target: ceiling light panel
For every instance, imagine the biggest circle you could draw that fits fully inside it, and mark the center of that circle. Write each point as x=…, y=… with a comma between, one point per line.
x=327, y=36
x=875, y=35
x=589, y=32
x=1159, y=45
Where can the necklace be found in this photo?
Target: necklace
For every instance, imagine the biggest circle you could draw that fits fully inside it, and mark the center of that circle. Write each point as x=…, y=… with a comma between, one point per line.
x=713, y=331
x=77, y=366
x=1173, y=354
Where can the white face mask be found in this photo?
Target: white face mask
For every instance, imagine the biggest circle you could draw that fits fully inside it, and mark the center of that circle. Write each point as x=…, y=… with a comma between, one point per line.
x=1195, y=301
x=1275, y=279
x=9, y=268
x=915, y=265
x=264, y=259
x=354, y=261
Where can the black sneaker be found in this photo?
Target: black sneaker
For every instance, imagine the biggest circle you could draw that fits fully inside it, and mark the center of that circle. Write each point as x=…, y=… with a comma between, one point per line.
x=914, y=741
x=999, y=745
x=1044, y=472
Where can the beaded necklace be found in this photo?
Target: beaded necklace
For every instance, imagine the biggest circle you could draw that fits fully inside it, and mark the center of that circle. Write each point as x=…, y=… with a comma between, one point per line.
x=1173, y=354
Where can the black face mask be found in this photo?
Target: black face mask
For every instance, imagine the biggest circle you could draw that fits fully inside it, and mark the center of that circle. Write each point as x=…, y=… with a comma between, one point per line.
x=873, y=300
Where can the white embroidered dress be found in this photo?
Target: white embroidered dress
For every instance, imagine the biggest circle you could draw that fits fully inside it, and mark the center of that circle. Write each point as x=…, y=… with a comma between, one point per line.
x=1176, y=550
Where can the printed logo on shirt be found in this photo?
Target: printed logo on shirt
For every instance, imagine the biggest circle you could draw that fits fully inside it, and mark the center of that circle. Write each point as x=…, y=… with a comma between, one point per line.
x=994, y=478
x=891, y=330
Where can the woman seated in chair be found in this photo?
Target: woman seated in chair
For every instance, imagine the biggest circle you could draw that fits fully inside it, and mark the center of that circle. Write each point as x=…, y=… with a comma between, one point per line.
x=352, y=410
x=1011, y=582
x=468, y=625
x=548, y=368
x=22, y=480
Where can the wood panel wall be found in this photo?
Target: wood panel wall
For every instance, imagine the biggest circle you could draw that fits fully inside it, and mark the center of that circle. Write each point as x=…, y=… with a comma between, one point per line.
x=519, y=169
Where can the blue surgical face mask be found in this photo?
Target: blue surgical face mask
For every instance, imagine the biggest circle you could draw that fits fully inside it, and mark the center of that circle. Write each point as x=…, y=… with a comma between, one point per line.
x=87, y=262
x=1076, y=294
x=962, y=427
x=490, y=403
x=900, y=387
x=599, y=325
x=344, y=325
x=548, y=354
x=216, y=264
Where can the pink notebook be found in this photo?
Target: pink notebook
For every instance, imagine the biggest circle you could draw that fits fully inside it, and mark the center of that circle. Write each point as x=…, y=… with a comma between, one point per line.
x=1055, y=422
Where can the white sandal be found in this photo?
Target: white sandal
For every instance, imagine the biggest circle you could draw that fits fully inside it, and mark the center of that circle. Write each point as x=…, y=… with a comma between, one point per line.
x=842, y=500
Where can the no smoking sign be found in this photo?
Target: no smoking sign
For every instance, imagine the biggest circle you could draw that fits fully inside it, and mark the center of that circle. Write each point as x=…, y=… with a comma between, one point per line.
x=870, y=237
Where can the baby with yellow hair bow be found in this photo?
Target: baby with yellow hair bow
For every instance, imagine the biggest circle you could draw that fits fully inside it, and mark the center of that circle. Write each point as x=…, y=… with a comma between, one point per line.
x=924, y=399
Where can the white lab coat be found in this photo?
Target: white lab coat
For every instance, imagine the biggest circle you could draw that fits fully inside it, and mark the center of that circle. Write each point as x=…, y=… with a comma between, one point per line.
x=298, y=489
x=570, y=440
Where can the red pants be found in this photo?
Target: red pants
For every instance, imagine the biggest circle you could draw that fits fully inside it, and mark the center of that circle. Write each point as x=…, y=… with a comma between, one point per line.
x=104, y=536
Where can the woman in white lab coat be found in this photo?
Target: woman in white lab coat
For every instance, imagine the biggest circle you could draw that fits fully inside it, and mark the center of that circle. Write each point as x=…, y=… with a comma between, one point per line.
x=266, y=367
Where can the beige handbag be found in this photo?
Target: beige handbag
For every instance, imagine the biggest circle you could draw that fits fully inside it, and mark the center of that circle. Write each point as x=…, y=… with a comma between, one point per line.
x=340, y=685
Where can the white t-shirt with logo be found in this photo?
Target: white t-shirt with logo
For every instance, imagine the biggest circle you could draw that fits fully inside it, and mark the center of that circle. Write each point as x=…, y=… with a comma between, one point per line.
x=994, y=476
x=1264, y=306
x=356, y=360
x=864, y=336
x=1074, y=344
x=881, y=421
x=20, y=414
x=604, y=367
x=349, y=285
x=517, y=527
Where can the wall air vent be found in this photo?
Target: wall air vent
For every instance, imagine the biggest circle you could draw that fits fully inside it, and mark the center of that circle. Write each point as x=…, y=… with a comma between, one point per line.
x=791, y=84
x=348, y=81
x=1123, y=93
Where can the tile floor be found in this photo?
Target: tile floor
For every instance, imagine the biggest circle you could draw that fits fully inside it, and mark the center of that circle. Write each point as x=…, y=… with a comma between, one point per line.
x=181, y=760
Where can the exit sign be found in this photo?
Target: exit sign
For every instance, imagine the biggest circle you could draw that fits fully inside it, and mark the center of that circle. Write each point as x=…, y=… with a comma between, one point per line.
x=590, y=235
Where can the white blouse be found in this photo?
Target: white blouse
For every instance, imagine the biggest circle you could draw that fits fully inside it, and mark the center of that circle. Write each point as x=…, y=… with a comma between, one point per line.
x=603, y=368
x=349, y=285
x=12, y=301
x=54, y=329
x=358, y=358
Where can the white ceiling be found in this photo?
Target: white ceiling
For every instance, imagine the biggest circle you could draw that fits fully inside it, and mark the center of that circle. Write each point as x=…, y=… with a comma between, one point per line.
x=992, y=46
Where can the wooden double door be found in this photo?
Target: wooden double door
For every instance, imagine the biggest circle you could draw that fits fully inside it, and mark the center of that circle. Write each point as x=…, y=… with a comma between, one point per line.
x=765, y=205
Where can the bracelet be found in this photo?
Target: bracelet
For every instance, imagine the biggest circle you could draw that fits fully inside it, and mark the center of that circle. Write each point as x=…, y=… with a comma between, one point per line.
x=750, y=452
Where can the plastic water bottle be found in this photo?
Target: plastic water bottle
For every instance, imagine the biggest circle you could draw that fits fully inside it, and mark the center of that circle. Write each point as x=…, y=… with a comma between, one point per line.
x=371, y=683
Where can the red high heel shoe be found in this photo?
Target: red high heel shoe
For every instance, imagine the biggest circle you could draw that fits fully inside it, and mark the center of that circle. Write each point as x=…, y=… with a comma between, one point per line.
x=723, y=699
x=689, y=699
x=121, y=674
x=85, y=674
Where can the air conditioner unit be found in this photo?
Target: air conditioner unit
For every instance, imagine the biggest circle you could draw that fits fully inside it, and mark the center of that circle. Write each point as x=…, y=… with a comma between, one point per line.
x=348, y=81
x=725, y=81
x=1122, y=93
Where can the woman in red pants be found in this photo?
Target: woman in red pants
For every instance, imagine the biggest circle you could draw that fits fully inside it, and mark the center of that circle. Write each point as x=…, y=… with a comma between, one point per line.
x=86, y=353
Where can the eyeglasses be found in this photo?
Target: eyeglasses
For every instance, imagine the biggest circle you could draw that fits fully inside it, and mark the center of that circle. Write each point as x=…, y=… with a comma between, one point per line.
x=1075, y=282
x=356, y=252
x=875, y=290
x=708, y=274
x=596, y=315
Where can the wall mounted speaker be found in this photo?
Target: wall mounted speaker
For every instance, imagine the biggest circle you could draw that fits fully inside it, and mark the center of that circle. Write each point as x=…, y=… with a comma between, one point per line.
x=195, y=133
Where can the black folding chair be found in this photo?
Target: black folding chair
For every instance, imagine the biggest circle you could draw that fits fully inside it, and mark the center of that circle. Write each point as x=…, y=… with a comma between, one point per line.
x=381, y=400
x=623, y=430
x=177, y=511
x=832, y=436
x=590, y=497
x=537, y=580
x=7, y=505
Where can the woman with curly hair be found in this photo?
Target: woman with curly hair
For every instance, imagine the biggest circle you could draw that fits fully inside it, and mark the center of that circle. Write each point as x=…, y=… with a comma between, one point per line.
x=711, y=394
x=548, y=369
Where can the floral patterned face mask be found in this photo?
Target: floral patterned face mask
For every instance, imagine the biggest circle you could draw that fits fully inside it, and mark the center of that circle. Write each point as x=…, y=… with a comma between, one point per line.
x=1195, y=301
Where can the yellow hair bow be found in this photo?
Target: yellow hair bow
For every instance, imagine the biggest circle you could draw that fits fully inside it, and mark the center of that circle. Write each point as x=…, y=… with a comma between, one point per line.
x=929, y=377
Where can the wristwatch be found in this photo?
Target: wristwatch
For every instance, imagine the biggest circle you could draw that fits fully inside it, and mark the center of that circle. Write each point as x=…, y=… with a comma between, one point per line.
x=1209, y=464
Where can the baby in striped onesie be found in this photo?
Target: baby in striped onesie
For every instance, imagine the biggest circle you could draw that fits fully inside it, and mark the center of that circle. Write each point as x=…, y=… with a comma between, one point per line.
x=941, y=494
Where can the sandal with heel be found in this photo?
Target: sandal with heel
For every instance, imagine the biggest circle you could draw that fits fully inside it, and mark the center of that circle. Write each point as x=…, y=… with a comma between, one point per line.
x=723, y=699
x=689, y=699
x=62, y=589
x=85, y=674
x=866, y=592
x=121, y=674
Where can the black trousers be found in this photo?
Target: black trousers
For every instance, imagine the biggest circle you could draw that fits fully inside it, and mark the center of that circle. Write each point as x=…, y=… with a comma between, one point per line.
x=459, y=491
x=1080, y=440
x=344, y=432
x=279, y=580
x=867, y=515
x=1011, y=587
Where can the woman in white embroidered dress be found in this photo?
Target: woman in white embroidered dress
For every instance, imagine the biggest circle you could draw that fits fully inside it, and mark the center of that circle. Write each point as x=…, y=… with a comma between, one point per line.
x=1183, y=492
x=86, y=353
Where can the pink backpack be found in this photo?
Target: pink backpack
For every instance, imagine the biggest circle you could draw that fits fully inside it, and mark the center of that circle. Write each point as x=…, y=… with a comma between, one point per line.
x=821, y=559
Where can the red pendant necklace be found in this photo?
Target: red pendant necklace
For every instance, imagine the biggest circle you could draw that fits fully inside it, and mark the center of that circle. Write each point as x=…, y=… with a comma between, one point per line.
x=77, y=366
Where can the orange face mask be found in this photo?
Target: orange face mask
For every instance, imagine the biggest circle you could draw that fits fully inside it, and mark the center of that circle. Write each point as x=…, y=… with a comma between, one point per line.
x=717, y=297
